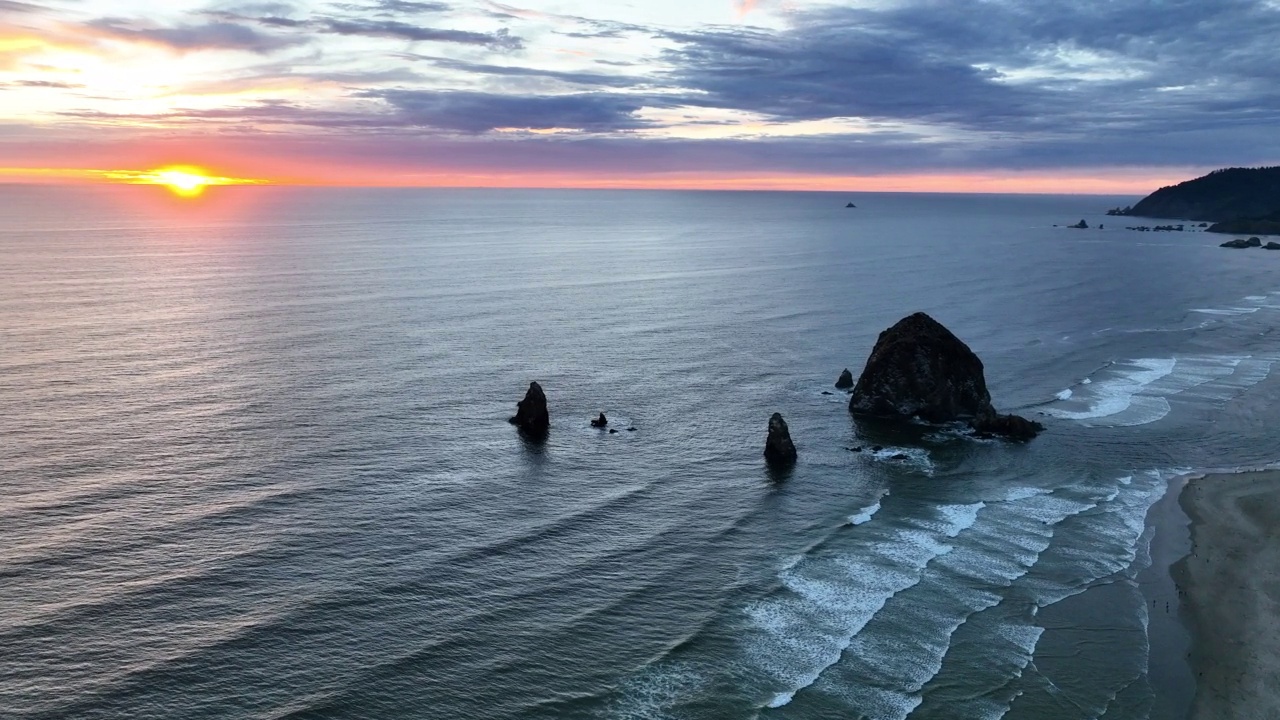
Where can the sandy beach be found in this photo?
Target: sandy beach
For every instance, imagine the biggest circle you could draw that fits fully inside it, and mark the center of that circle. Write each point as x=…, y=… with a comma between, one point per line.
x=1231, y=594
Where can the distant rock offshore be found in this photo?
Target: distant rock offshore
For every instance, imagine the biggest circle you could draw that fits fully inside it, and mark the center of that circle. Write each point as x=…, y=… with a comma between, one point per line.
x=845, y=381
x=778, y=448
x=531, y=413
x=919, y=369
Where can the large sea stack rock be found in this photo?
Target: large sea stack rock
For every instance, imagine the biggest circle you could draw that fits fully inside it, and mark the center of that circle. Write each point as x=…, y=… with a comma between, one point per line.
x=778, y=448
x=845, y=381
x=919, y=369
x=531, y=413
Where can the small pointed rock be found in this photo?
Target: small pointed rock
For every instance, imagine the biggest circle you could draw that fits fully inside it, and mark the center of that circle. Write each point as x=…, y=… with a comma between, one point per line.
x=845, y=381
x=531, y=413
x=600, y=422
x=778, y=448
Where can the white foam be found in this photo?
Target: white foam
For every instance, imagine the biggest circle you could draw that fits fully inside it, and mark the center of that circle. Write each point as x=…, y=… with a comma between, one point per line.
x=1023, y=493
x=1065, y=394
x=1225, y=311
x=1119, y=394
x=865, y=514
x=1087, y=381
x=800, y=632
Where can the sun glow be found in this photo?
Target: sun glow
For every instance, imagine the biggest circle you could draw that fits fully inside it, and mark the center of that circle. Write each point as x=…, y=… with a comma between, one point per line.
x=186, y=181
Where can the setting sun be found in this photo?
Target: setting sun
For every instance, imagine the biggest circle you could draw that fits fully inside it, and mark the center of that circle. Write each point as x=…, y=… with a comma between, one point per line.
x=186, y=182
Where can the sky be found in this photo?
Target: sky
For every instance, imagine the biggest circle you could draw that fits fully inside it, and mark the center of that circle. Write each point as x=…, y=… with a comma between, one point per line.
x=1107, y=96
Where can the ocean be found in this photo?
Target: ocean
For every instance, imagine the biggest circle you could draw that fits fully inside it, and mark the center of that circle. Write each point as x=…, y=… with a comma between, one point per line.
x=255, y=457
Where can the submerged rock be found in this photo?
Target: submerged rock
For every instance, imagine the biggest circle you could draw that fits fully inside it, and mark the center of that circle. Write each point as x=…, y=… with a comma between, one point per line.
x=919, y=369
x=1010, y=426
x=778, y=448
x=845, y=381
x=600, y=422
x=531, y=413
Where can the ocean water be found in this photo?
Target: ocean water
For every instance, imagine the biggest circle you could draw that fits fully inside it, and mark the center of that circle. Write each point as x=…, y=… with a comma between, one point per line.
x=255, y=463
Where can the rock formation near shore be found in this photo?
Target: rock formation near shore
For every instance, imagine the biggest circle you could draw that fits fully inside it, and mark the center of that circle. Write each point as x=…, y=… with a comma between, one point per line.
x=531, y=413
x=1082, y=225
x=845, y=380
x=778, y=448
x=919, y=369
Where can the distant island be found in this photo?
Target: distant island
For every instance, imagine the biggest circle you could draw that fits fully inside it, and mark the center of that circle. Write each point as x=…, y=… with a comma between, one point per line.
x=1236, y=200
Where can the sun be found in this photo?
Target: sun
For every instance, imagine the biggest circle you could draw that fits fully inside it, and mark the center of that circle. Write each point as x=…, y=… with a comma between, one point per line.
x=184, y=181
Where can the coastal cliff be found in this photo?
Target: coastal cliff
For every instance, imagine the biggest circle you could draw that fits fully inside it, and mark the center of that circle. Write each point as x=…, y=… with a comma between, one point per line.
x=1239, y=200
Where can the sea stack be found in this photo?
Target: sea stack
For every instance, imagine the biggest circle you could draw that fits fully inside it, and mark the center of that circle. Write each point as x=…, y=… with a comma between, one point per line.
x=919, y=369
x=845, y=381
x=531, y=413
x=600, y=422
x=778, y=449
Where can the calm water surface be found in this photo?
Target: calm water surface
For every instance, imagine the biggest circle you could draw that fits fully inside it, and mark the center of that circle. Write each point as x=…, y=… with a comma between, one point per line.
x=255, y=460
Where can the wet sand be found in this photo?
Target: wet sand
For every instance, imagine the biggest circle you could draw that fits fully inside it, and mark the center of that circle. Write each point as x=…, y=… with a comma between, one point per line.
x=1230, y=587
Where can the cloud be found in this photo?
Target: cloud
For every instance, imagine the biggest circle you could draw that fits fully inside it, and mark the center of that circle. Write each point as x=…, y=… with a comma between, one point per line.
x=502, y=39
x=570, y=77
x=207, y=36
x=12, y=6
x=41, y=84
x=477, y=112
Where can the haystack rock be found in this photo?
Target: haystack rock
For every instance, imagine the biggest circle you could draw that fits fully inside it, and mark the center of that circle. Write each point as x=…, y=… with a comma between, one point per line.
x=778, y=448
x=845, y=381
x=531, y=413
x=919, y=369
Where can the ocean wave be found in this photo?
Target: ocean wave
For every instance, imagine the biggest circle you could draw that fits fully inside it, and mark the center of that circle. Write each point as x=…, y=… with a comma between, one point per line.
x=1137, y=392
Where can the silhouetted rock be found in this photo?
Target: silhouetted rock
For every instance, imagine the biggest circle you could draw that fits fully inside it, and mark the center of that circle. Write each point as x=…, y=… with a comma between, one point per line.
x=919, y=369
x=876, y=448
x=1254, y=242
x=1238, y=243
x=778, y=448
x=1082, y=225
x=613, y=431
x=851, y=205
x=898, y=456
x=631, y=429
x=531, y=413
x=1273, y=245
x=856, y=449
x=600, y=422
x=845, y=381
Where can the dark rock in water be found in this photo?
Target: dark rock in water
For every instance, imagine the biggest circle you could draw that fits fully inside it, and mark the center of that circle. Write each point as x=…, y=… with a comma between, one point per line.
x=876, y=448
x=827, y=392
x=899, y=456
x=856, y=449
x=778, y=448
x=531, y=413
x=919, y=369
x=1254, y=242
x=1273, y=245
x=851, y=205
x=1238, y=243
x=600, y=422
x=631, y=429
x=613, y=431
x=845, y=381
x=1010, y=426
x=1082, y=225
x=1205, y=225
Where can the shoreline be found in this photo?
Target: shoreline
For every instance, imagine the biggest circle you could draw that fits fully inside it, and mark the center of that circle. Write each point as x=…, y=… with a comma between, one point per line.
x=1230, y=592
